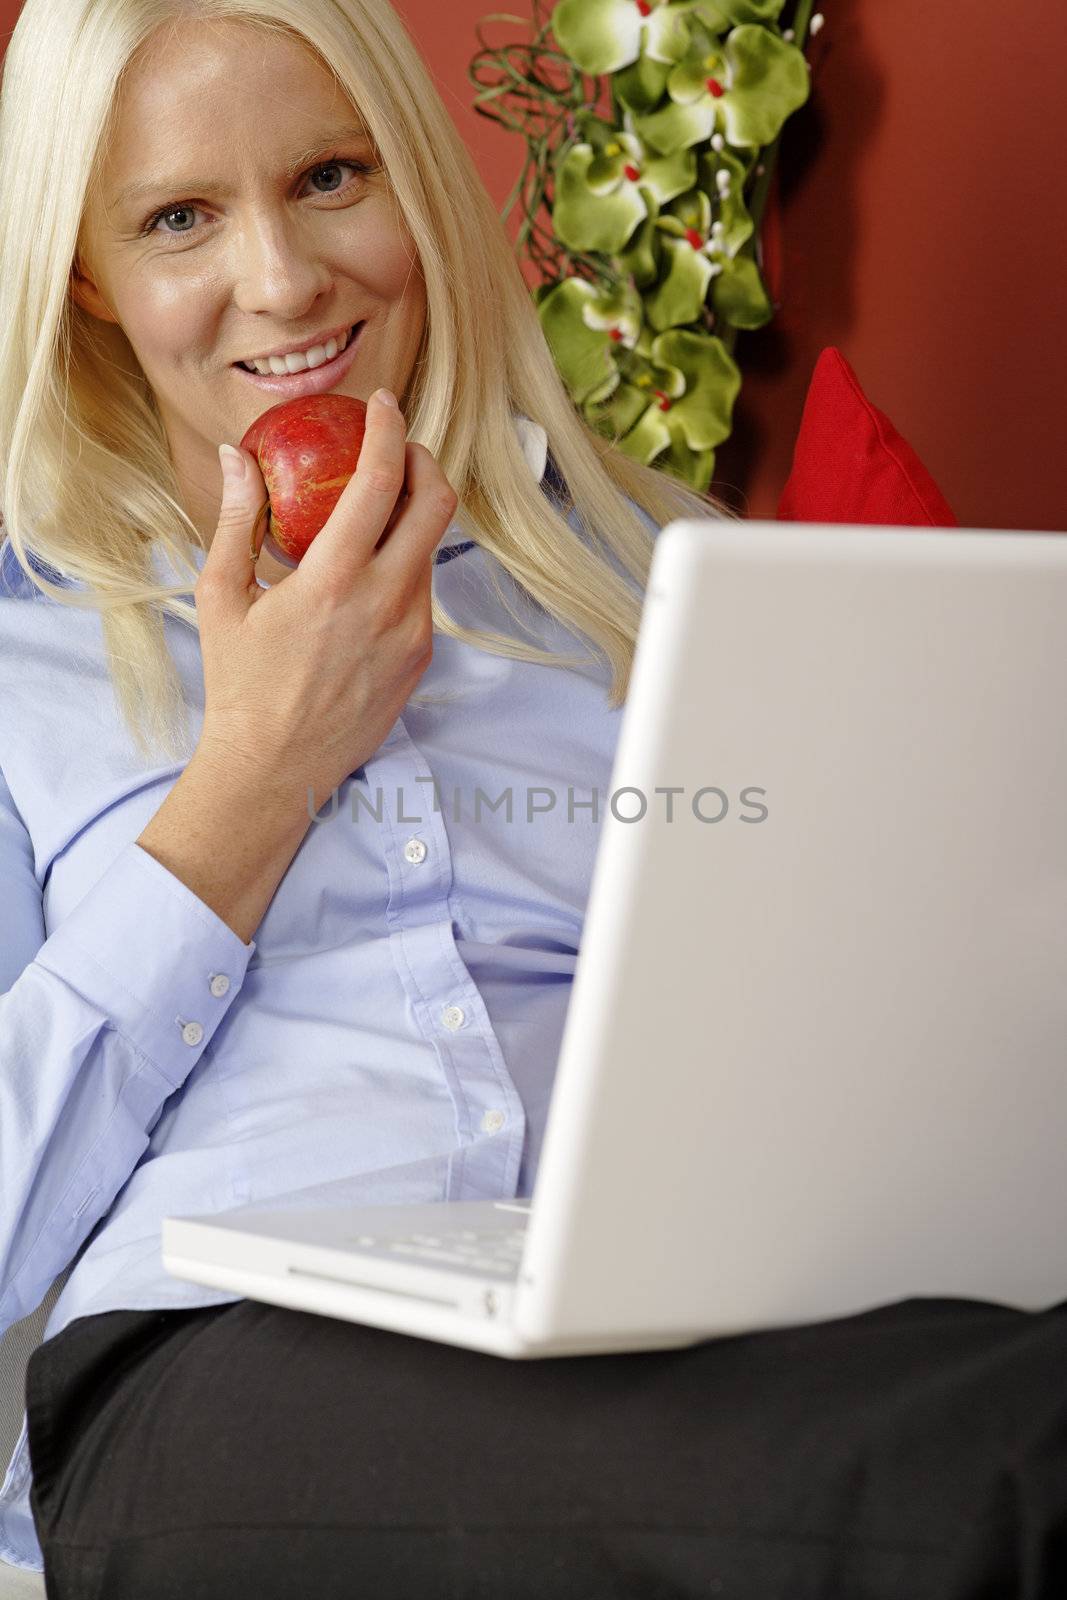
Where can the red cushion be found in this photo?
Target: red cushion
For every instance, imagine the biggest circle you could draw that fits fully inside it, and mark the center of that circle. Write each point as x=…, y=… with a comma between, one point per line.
x=851, y=465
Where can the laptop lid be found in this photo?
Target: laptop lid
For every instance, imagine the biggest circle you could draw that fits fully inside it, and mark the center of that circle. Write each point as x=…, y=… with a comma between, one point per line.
x=814, y=1056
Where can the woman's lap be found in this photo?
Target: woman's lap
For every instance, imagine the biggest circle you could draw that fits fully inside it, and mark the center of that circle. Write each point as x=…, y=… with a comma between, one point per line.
x=918, y=1450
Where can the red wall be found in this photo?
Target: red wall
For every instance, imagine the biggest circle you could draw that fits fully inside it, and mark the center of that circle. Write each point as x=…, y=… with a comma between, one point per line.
x=919, y=224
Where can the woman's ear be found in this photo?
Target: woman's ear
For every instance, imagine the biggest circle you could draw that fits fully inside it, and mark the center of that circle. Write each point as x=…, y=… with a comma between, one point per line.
x=85, y=293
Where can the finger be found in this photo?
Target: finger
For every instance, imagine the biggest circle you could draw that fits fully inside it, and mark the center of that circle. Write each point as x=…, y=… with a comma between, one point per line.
x=230, y=562
x=421, y=521
x=401, y=502
x=346, y=542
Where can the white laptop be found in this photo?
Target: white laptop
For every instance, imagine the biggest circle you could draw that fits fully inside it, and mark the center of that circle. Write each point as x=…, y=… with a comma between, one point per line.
x=815, y=1059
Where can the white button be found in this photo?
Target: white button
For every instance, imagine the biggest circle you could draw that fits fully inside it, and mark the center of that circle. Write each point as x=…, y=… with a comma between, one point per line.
x=192, y=1032
x=492, y=1121
x=452, y=1017
x=220, y=983
x=415, y=851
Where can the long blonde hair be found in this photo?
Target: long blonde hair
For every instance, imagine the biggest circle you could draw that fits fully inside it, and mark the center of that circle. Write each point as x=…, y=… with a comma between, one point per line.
x=88, y=486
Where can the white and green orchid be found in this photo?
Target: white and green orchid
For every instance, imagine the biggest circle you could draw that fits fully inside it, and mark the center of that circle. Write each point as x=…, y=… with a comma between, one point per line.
x=743, y=86
x=659, y=211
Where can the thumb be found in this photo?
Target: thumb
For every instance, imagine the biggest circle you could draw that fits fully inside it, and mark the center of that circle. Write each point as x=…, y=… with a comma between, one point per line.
x=242, y=519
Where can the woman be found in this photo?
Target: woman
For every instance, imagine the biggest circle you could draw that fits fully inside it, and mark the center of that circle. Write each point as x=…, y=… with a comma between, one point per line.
x=214, y=995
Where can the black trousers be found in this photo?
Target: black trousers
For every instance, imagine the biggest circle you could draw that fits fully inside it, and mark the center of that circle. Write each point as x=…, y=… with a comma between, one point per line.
x=915, y=1452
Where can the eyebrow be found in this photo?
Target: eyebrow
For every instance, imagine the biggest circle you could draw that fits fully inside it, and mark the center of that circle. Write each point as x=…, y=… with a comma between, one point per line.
x=162, y=188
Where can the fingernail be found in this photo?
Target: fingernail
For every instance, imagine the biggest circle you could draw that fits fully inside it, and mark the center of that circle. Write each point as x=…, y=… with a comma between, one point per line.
x=233, y=462
x=385, y=398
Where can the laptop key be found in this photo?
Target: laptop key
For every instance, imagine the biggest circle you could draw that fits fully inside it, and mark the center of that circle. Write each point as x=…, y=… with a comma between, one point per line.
x=472, y=1261
x=404, y=1249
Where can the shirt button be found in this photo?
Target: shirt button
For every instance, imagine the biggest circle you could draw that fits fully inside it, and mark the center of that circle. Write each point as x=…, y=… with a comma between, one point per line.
x=220, y=983
x=192, y=1032
x=492, y=1121
x=452, y=1017
x=415, y=851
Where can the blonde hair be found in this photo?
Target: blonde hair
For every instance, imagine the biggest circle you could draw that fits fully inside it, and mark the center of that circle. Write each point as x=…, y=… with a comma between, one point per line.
x=88, y=486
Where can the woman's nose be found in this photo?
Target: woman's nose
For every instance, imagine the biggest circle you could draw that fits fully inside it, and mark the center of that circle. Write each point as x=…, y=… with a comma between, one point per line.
x=278, y=266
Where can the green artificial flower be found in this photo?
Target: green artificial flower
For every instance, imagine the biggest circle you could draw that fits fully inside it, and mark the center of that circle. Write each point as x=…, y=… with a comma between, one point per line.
x=599, y=200
x=746, y=86
x=702, y=88
x=671, y=393
x=602, y=36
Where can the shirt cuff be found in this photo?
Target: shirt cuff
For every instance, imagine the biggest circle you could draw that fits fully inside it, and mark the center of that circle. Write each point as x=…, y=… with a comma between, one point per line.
x=151, y=955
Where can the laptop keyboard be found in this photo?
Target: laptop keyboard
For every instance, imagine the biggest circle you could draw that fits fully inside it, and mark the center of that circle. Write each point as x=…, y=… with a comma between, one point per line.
x=497, y=1252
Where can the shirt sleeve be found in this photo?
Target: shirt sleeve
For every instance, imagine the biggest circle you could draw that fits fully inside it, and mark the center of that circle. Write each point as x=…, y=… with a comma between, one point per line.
x=99, y=1023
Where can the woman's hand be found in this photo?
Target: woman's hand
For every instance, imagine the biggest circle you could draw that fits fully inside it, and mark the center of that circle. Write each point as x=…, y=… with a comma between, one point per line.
x=306, y=679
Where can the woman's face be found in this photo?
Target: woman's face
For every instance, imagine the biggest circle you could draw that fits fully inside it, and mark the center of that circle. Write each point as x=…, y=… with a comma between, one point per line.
x=253, y=230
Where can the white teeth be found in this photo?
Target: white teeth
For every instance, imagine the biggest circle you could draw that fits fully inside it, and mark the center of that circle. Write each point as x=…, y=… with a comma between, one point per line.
x=306, y=361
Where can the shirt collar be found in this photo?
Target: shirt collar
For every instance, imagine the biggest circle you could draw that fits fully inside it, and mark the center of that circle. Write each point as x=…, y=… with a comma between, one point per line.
x=534, y=442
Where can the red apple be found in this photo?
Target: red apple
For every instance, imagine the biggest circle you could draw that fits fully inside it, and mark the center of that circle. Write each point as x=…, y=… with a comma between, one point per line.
x=307, y=450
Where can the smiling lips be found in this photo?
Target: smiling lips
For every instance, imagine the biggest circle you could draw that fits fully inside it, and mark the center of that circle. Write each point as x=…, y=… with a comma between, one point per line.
x=297, y=379
x=308, y=360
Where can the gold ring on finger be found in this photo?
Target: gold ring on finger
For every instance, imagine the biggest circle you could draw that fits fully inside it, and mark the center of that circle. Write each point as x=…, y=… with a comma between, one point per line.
x=262, y=519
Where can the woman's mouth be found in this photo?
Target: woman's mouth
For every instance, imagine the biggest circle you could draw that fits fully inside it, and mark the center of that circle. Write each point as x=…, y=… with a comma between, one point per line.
x=314, y=380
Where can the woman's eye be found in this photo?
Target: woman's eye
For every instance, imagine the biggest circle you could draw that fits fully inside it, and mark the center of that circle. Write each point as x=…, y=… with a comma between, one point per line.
x=169, y=212
x=328, y=166
x=177, y=211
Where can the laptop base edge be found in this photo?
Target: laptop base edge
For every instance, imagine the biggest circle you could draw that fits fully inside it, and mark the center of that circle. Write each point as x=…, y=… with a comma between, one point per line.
x=410, y=1315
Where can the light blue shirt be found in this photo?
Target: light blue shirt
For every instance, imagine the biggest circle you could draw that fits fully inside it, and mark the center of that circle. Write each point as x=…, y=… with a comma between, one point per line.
x=390, y=1034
